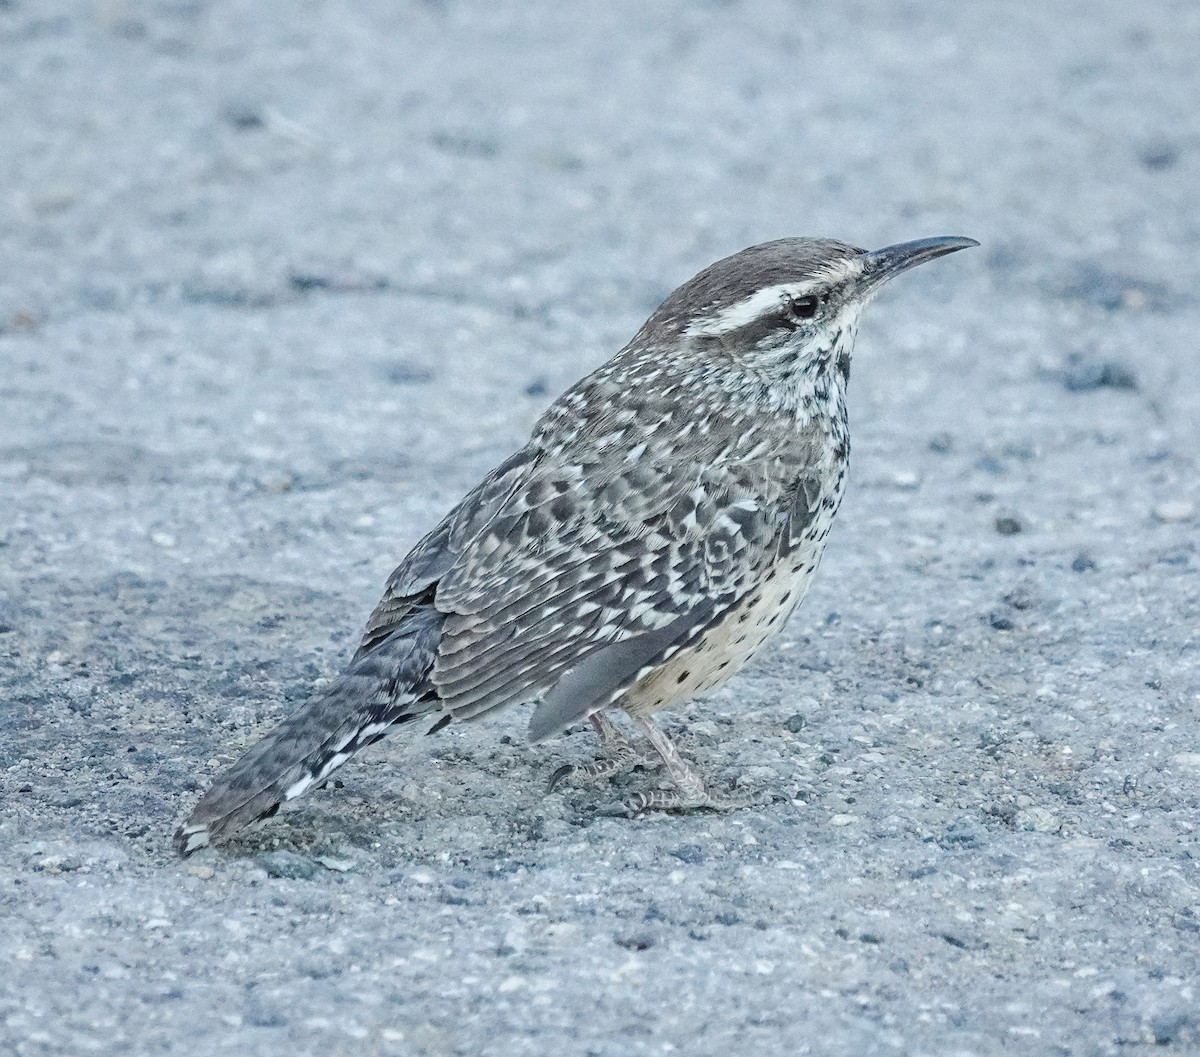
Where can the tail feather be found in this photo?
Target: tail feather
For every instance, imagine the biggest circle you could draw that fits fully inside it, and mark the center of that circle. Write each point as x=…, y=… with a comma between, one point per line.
x=387, y=686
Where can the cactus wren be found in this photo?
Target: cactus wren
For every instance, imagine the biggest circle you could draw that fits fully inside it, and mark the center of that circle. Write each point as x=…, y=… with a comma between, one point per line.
x=663, y=521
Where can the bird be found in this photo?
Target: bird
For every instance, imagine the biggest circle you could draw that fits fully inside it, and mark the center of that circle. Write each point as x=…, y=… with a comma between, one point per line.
x=663, y=520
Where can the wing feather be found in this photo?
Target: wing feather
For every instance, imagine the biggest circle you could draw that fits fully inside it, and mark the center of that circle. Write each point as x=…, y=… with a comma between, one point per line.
x=440, y=549
x=604, y=574
x=548, y=566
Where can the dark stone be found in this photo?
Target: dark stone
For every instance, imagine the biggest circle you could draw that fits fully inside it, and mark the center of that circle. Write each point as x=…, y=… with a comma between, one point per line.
x=796, y=723
x=1083, y=563
x=405, y=373
x=465, y=144
x=1082, y=375
x=636, y=942
x=1159, y=156
x=1008, y=525
x=305, y=282
x=1019, y=449
x=689, y=853
x=1021, y=597
x=962, y=834
x=244, y=116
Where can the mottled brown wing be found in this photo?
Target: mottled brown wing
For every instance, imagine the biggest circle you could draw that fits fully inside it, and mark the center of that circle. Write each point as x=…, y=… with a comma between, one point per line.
x=430, y=559
x=576, y=561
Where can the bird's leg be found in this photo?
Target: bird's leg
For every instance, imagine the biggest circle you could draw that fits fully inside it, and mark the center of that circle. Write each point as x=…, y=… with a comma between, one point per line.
x=613, y=744
x=617, y=753
x=689, y=788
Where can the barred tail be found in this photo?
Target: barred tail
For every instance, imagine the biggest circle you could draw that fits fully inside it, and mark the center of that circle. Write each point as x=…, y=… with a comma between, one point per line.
x=388, y=685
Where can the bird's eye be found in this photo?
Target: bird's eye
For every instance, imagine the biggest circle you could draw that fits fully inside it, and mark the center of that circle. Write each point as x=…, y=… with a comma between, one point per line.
x=802, y=307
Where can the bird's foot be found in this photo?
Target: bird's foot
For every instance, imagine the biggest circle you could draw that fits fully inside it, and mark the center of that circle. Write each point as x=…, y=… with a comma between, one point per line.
x=666, y=800
x=690, y=800
x=617, y=754
x=689, y=792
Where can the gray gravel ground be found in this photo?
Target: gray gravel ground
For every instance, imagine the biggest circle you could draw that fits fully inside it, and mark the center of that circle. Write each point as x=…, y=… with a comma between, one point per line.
x=282, y=280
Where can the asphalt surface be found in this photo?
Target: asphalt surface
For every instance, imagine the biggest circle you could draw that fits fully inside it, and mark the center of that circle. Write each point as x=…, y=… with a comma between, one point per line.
x=281, y=281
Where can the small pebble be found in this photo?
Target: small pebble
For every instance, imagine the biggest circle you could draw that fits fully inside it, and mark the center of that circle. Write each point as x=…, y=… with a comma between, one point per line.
x=1159, y=156
x=277, y=484
x=689, y=853
x=636, y=942
x=244, y=115
x=286, y=864
x=961, y=834
x=405, y=372
x=1036, y=820
x=331, y=862
x=1021, y=597
x=1175, y=510
x=1081, y=376
x=1007, y=525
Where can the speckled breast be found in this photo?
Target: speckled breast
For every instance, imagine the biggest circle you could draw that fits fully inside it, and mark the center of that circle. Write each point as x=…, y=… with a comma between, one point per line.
x=746, y=628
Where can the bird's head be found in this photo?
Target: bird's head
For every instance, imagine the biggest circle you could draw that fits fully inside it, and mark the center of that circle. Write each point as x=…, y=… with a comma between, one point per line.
x=787, y=303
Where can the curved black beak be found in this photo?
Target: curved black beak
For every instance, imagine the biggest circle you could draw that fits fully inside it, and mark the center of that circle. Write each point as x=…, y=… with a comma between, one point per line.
x=882, y=265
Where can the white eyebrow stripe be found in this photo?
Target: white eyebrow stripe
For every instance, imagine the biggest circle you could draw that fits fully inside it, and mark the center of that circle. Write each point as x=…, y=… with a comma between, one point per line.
x=769, y=298
x=746, y=311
